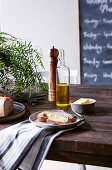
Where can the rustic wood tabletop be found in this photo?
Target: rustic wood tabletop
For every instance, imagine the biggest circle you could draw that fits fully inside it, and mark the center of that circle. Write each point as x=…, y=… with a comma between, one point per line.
x=92, y=142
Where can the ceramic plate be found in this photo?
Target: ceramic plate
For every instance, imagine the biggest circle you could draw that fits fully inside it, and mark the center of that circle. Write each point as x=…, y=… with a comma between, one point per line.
x=18, y=111
x=79, y=121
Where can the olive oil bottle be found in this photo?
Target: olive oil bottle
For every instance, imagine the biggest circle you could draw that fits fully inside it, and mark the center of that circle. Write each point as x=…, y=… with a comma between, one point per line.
x=62, y=83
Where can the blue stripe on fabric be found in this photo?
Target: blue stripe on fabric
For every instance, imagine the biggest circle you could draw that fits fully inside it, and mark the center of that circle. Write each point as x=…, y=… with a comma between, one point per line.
x=41, y=152
x=7, y=142
x=12, y=141
x=45, y=147
x=25, y=150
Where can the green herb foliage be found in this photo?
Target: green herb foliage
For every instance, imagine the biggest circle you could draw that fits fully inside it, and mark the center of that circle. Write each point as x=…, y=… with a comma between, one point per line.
x=19, y=63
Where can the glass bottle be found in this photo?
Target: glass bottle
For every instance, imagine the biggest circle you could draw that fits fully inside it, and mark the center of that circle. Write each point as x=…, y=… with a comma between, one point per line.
x=62, y=83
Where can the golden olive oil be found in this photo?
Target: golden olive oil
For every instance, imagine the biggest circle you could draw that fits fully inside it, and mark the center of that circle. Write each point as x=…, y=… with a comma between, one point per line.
x=62, y=95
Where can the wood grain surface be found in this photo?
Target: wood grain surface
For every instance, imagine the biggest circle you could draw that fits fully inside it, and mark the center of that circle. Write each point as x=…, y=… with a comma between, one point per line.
x=92, y=142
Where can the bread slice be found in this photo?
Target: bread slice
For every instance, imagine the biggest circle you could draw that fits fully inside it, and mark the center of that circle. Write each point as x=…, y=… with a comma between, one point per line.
x=6, y=105
x=42, y=117
x=55, y=117
x=71, y=118
x=58, y=119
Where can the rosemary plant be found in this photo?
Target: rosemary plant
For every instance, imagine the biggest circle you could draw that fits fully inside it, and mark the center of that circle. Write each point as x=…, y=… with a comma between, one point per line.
x=19, y=65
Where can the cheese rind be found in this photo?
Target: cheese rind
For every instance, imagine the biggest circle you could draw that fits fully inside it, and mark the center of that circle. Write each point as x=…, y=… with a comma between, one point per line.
x=82, y=101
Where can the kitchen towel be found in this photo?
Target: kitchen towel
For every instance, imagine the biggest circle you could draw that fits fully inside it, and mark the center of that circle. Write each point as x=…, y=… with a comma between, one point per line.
x=25, y=145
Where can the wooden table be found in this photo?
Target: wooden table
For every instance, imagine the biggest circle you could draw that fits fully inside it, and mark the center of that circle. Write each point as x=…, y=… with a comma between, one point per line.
x=92, y=142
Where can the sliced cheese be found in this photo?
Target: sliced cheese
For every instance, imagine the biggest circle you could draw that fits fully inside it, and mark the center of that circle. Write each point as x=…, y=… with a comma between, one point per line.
x=82, y=101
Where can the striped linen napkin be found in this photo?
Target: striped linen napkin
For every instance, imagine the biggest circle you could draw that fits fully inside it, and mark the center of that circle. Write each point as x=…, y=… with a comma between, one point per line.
x=25, y=145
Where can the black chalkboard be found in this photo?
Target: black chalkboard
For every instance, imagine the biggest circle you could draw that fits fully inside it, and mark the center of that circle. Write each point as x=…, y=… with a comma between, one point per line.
x=95, y=18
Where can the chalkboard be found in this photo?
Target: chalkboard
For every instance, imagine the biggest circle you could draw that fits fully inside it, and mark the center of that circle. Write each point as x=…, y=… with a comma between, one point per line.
x=96, y=41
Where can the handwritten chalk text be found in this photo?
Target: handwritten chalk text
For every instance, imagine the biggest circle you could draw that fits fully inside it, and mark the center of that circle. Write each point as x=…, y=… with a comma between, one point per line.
x=104, y=5
x=107, y=61
x=96, y=47
x=95, y=22
x=107, y=75
x=109, y=46
x=91, y=35
x=95, y=1
x=107, y=21
x=107, y=34
x=91, y=75
x=93, y=62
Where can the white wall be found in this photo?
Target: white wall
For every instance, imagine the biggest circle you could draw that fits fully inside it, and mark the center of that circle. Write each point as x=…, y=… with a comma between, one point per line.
x=46, y=23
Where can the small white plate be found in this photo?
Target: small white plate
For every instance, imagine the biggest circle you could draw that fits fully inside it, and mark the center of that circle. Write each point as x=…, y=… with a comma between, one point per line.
x=78, y=122
x=18, y=111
